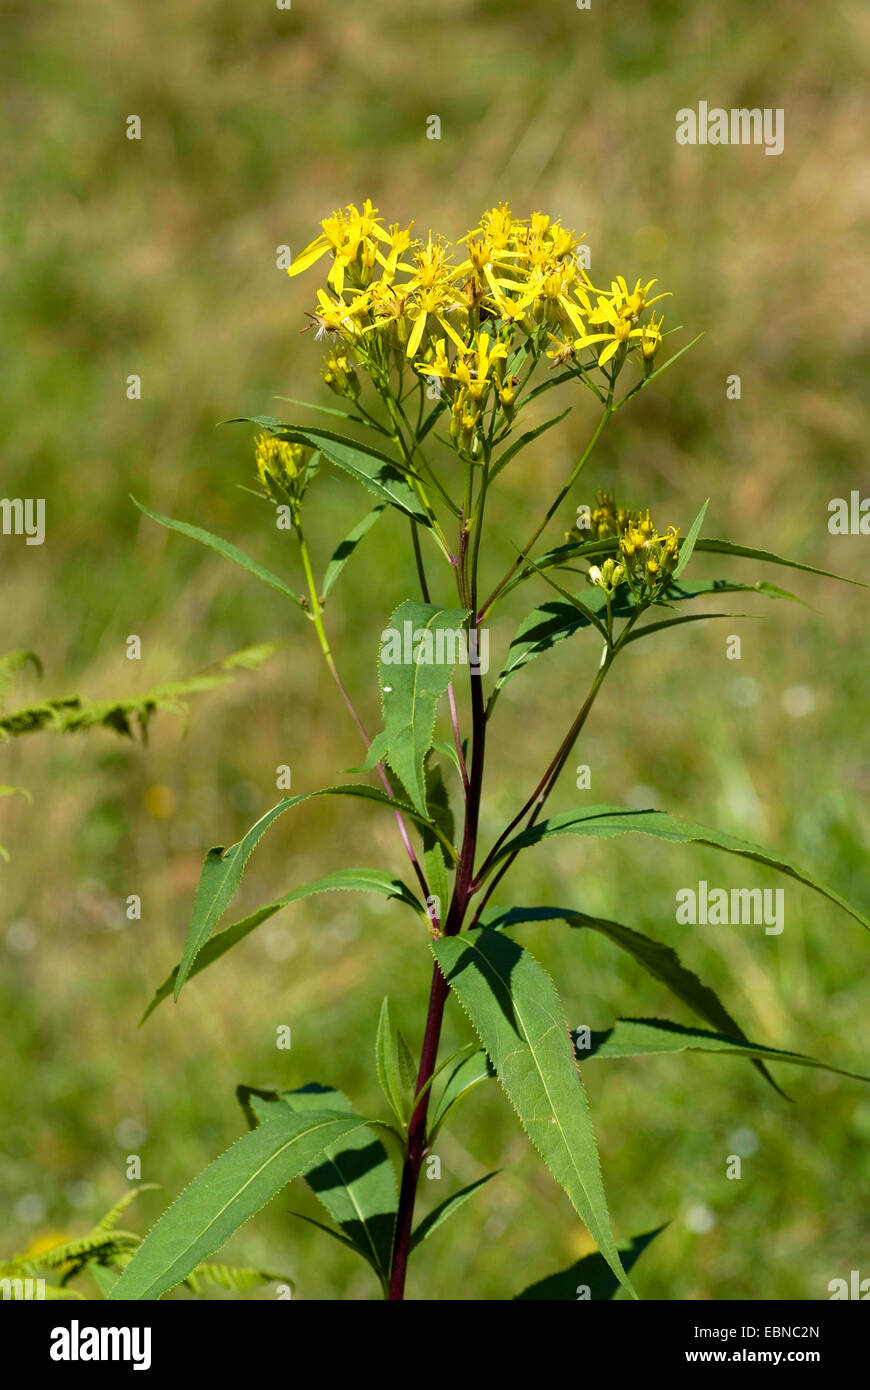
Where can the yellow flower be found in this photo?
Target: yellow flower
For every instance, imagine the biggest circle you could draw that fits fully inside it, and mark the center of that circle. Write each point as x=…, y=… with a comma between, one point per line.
x=631, y=305
x=334, y=316
x=346, y=234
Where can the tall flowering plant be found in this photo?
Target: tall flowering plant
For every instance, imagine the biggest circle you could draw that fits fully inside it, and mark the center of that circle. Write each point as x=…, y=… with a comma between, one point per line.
x=438, y=355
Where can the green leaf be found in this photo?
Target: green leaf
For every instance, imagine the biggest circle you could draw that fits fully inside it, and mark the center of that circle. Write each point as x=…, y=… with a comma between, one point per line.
x=517, y=1014
x=223, y=868
x=650, y=628
x=657, y=959
x=688, y=544
x=229, y=1191
x=464, y=1078
x=324, y=410
x=343, y=880
x=225, y=548
x=658, y=371
x=745, y=552
x=389, y=1067
x=523, y=440
x=356, y=1181
x=605, y=821
x=434, y=858
x=344, y=551
x=104, y=1276
x=546, y=626
x=446, y=1208
x=375, y=471
x=592, y=1273
x=557, y=620
x=641, y=1037
x=411, y=688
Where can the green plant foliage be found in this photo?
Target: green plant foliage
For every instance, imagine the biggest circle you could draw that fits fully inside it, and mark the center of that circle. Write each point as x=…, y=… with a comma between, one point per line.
x=515, y=1011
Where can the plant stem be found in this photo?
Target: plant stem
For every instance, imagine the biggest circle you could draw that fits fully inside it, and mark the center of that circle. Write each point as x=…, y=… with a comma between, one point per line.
x=438, y=992
x=578, y=468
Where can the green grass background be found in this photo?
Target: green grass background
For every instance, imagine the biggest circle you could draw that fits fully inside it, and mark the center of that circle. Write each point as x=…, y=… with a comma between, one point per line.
x=157, y=257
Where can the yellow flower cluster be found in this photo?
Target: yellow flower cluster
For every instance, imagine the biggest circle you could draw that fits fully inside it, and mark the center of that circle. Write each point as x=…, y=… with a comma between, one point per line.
x=281, y=467
x=646, y=559
x=456, y=313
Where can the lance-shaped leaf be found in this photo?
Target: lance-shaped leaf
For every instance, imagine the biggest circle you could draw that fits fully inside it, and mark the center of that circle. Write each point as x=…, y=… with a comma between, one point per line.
x=418, y=656
x=714, y=546
x=394, y=1066
x=465, y=1077
x=643, y=1037
x=559, y=619
x=223, y=868
x=226, y=1194
x=605, y=821
x=590, y=1278
x=380, y=474
x=344, y=551
x=445, y=1209
x=657, y=959
x=225, y=548
x=563, y=554
x=514, y=1008
x=344, y=880
x=688, y=545
x=355, y=1180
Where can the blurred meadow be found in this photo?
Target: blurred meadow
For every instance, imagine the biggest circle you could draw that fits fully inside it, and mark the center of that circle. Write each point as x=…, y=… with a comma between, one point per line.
x=157, y=257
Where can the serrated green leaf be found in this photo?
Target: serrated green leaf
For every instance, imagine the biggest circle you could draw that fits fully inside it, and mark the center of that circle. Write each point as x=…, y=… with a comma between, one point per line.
x=446, y=1208
x=606, y=821
x=224, y=548
x=411, y=689
x=223, y=868
x=516, y=1012
x=343, y=880
x=344, y=551
x=642, y=1037
x=356, y=1181
x=378, y=473
x=229, y=1191
x=357, y=1185
x=657, y=959
x=592, y=1273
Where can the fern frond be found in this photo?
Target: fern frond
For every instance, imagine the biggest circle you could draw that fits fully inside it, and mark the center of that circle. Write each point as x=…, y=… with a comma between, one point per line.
x=107, y=1222
x=11, y=663
x=74, y=713
x=233, y=1277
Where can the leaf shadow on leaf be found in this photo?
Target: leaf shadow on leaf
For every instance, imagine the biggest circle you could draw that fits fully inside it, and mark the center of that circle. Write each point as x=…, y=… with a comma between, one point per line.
x=501, y=991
